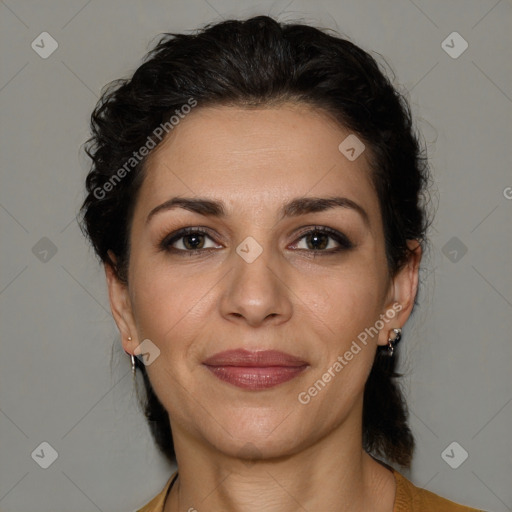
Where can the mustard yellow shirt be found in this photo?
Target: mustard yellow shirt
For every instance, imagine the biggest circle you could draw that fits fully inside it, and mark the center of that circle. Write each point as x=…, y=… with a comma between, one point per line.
x=408, y=498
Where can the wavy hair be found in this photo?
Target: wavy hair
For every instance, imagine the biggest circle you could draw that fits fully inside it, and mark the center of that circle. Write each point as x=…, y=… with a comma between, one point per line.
x=253, y=63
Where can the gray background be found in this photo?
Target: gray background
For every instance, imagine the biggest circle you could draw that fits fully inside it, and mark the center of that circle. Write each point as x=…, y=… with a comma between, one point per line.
x=56, y=380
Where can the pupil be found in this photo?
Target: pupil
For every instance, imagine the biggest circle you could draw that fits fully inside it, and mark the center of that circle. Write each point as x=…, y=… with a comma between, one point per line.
x=318, y=236
x=194, y=244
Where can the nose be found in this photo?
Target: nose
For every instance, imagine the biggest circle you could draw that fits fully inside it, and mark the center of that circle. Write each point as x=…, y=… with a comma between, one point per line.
x=255, y=292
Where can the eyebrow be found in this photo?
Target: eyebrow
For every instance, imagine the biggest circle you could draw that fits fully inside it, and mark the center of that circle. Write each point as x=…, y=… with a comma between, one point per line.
x=296, y=207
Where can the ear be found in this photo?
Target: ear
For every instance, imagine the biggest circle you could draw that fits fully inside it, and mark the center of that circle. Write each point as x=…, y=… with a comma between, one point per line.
x=403, y=291
x=120, y=305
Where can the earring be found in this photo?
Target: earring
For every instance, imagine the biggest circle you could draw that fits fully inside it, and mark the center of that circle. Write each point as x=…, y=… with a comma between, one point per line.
x=132, y=359
x=393, y=341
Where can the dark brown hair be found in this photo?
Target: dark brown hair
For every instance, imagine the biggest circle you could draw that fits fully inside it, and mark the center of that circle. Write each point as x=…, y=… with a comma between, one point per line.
x=252, y=63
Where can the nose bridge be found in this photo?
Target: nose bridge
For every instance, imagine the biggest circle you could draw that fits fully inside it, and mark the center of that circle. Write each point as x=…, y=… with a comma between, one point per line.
x=255, y=289
x=251, y=273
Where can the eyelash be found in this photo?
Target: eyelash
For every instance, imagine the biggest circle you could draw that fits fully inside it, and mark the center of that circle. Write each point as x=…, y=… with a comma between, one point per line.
x=166, y=243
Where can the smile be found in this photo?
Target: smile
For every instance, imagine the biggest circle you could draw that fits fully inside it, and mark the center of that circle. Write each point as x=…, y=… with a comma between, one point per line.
x=255, y=370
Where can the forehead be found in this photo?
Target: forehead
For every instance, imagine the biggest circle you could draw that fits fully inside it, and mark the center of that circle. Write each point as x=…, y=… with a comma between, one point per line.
x=255, y=157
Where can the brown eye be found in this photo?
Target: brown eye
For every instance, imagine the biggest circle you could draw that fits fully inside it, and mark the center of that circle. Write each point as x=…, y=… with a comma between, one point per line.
x=317, y=240
x=324, y=239
x=188, y=240
x=193, y=241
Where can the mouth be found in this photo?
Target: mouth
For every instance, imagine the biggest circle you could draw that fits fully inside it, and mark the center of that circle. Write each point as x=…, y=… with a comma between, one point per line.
x=255, y=370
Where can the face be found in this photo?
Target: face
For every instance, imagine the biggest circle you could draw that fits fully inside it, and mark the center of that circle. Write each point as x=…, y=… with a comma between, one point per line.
x=263, y=266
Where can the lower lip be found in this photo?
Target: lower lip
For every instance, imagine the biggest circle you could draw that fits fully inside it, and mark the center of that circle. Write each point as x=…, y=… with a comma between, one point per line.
x=256, y=377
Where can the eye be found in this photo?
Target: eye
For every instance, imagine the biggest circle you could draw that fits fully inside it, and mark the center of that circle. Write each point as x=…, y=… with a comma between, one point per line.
x=187, y=240
x=317, y=240
x=194, y=240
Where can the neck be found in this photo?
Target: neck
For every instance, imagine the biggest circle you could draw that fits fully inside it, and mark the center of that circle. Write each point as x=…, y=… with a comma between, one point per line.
x=334, y=473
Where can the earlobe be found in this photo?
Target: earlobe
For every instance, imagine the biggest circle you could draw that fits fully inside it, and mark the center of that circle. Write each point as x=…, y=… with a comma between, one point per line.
x=120, y=305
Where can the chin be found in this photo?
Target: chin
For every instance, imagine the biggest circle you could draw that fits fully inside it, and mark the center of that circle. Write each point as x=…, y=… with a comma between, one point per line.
x=252, y=448
x=261, y=435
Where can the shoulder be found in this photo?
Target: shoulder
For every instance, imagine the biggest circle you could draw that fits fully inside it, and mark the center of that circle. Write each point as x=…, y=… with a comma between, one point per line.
x=409, y=498
x=157, y=503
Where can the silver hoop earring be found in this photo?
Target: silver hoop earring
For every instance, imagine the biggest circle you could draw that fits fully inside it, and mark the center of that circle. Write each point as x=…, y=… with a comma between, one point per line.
x=392, y=342
x=132, y=359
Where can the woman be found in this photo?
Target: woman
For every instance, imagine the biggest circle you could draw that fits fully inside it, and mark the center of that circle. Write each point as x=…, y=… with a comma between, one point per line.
x=256, y=199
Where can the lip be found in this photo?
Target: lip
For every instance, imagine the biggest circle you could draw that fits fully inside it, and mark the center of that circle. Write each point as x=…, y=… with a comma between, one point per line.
x=255, y=369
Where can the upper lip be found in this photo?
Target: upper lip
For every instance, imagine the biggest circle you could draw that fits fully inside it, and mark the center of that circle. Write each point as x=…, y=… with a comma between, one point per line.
x=262, y=358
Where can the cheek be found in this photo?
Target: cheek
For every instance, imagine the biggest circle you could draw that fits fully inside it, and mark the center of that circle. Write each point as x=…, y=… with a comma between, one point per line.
x=160, y=300
x=172, y=308
x=348, y=304
x=337, y=382
x=348, y=300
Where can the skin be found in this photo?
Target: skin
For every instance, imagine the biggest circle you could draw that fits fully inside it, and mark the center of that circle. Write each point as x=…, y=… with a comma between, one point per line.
x=310, y=305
